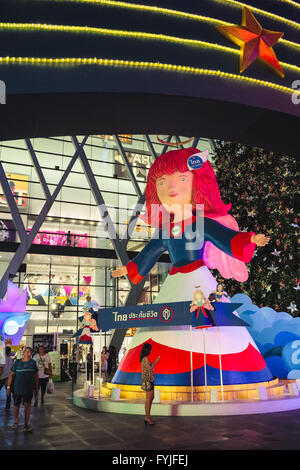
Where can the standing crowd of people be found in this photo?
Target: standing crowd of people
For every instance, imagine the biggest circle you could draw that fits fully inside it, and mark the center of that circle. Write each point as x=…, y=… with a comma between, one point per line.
x=108, y=362
x=26, y=374
x=23, y=378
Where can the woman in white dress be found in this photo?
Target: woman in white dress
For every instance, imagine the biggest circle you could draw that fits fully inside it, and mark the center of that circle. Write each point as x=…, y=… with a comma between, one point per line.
x=43, y=363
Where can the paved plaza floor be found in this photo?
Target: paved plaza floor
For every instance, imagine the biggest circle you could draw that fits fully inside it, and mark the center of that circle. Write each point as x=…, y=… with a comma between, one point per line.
x=59, y=425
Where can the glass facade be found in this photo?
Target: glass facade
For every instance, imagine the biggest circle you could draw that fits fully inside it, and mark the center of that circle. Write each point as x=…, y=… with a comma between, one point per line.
x=73, y=221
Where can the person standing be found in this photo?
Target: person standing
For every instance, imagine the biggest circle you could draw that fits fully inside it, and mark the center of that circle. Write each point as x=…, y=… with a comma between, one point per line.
x=89, y=303
x=43, y=363
x=104, y=362
x=26, y=382
x=90, y=364
x=148, y=379
x=111, y=362
x=4, y=374
x=74, y=360
x=69, y=238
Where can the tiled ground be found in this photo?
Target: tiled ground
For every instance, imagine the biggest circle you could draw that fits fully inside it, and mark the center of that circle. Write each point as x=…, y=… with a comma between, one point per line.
x=59, y=425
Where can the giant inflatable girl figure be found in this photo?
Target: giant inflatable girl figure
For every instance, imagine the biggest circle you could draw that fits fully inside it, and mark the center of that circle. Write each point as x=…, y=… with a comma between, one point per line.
x=179, y=183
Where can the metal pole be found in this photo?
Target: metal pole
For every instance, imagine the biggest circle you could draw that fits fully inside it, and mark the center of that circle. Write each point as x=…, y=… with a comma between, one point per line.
x=57, y=323
x=38, y=169
x=128, y=166
x=220, y=360
x=204, y=353
x=93, y=372
x=86, y=371
x=100, y=345
x=16, y=217
x=192, y=368
x=48, y=306
x=77, y=299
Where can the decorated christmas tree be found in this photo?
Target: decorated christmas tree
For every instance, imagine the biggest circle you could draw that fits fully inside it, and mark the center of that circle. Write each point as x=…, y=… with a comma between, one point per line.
x=262, y=187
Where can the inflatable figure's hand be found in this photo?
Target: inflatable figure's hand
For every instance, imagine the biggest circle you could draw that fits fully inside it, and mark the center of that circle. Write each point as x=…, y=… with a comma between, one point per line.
x=93, y=325
x=119, y=272
x=193, y=307
x=260, y=239
x=208, y=306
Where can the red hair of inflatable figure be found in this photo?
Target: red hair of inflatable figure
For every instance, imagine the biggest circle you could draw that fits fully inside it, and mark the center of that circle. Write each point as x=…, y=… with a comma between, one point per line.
x=205, y=186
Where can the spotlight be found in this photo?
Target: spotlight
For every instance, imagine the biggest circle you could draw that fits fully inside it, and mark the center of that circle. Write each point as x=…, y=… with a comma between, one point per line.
x=57, y=309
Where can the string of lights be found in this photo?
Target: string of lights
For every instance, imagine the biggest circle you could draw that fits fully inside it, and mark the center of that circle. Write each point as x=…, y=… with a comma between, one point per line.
x=295, y=4
x=237, y=4
x=149, y=8
x=168, y=11
x=113, y=32
x=141, y=65
x=289, y=43
x=129, y=34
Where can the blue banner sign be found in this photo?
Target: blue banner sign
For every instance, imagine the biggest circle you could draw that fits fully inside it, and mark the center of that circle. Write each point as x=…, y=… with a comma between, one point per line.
x=171, y=313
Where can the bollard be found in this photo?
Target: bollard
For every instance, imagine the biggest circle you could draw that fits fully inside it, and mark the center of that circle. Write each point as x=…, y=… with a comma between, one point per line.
x=156, y=396
x=86, y=387
x=262, y=393
x=115, y=394
x=213, y=396
x=293, y=389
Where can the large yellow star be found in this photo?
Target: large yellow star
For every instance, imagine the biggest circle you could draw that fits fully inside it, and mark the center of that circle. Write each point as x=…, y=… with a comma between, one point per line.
x=255, y=42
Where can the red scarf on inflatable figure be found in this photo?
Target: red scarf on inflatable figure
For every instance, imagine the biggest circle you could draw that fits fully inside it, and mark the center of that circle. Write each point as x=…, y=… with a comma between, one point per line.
x=178, y=183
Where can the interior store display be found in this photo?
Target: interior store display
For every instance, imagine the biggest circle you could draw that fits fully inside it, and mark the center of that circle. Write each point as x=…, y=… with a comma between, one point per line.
x=19, y=188
x=7, y=231
x=62, y=288
x=60, y=238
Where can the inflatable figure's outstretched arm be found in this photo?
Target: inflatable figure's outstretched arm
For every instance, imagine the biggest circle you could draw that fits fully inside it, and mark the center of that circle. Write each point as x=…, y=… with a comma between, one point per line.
x=142, y=263
x=239, y=245
x=227, y=265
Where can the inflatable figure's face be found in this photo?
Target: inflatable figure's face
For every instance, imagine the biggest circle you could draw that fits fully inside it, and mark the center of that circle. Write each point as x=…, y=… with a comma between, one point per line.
x=198, y=296
x=175, y=189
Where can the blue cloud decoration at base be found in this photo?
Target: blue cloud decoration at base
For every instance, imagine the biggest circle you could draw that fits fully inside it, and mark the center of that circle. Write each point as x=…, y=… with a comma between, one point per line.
x=277, y=335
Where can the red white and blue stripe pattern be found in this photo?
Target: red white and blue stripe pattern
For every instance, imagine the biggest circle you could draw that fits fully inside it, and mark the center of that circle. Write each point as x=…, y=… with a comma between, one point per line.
x=247, y=366
x=241, y=361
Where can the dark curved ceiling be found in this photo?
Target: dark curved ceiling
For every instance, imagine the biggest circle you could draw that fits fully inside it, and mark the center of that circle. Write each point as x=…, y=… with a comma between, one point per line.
x=46, y=99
